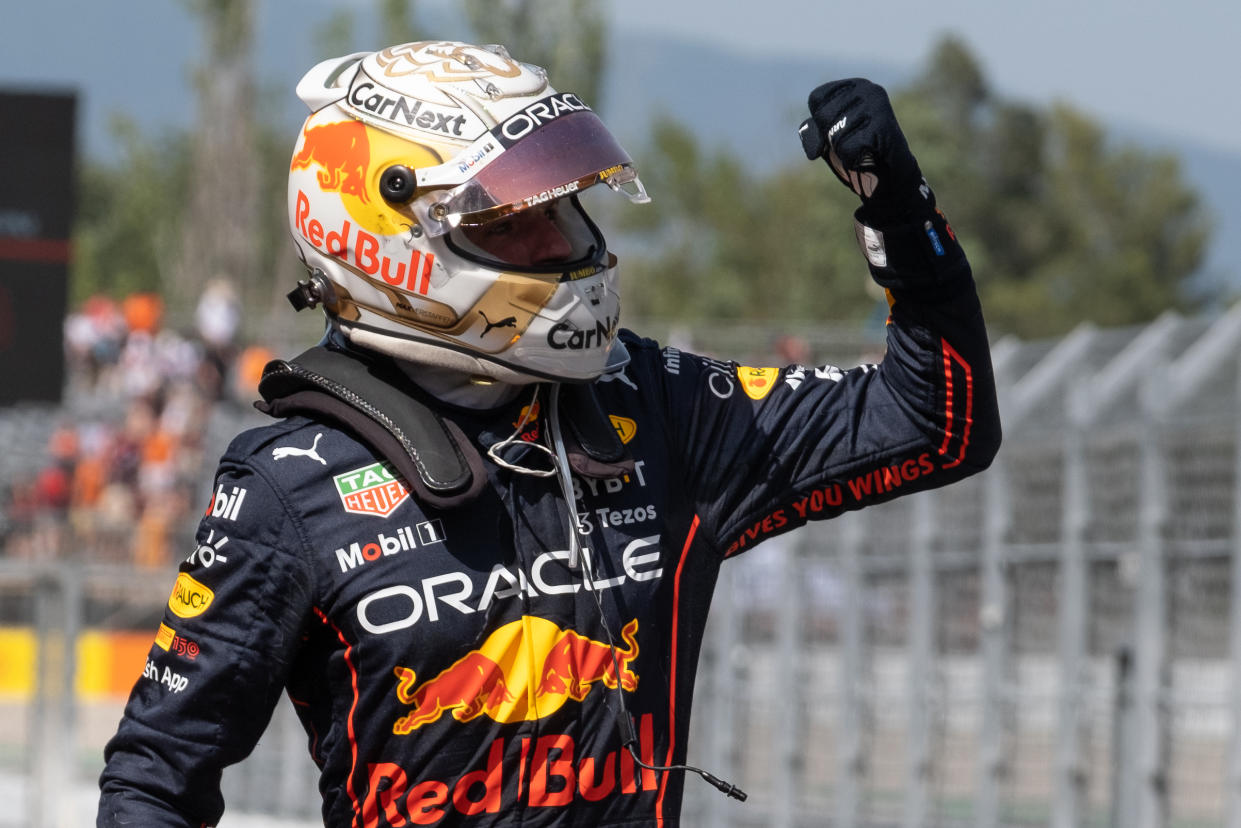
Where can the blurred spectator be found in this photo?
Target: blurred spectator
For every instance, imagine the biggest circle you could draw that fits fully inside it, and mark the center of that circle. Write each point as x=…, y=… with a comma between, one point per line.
x=792, y=350
x=119, y=483
x=249, y=370
x=217, y=318
x=218, y=314
x=143, y=312
x=90, y=477
x=51, y=493
x=93, y=339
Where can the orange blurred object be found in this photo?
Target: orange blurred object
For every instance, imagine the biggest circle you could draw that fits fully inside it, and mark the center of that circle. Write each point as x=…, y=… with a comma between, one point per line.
x=143, y=312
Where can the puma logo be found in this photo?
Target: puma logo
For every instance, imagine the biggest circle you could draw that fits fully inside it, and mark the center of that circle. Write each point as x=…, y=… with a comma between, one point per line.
x=618, y=376
x=281, y=452
x=506, y=322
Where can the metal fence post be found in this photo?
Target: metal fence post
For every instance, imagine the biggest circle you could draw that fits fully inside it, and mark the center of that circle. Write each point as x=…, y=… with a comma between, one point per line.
x=1070, y=769
x=40, y=749
x=1122, y=714
x=1149, y=781
x=994, y=620
x=1232, y=782
x=791, y=662
x=53, y=750
x=722, y=737
x=851, y=767
x=921, y=647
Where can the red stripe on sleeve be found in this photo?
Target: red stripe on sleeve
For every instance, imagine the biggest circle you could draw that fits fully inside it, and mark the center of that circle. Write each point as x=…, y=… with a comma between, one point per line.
x=672, y=680
x=951, y=357
x=353, y=709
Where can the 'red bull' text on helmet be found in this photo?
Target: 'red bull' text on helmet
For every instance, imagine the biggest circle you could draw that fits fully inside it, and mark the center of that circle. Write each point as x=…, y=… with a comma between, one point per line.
x=433, y=196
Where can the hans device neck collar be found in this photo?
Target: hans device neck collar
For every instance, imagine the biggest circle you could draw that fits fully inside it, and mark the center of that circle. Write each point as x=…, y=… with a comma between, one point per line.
x=370, y=397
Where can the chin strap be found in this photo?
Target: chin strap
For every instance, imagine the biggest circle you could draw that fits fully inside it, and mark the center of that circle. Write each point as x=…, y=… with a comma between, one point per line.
x=369, y=396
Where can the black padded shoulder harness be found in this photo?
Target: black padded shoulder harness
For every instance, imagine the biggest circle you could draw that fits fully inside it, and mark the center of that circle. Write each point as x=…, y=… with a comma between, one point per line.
x=370, y=397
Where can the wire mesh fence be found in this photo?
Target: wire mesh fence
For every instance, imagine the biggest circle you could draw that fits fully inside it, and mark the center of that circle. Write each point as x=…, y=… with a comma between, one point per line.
x=1054, y=642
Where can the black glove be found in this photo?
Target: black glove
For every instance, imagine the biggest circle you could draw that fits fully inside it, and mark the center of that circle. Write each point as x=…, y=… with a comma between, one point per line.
x=853, y=128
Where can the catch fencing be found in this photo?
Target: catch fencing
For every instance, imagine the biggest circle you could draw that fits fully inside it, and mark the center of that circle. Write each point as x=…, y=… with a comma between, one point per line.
x=1055, y=642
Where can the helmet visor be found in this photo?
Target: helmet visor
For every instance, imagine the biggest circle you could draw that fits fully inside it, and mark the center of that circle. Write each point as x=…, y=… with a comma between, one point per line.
x=556, y=238
x=555, y=158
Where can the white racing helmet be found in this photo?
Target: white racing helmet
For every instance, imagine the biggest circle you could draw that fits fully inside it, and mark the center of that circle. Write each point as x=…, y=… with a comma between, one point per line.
x=433, y=198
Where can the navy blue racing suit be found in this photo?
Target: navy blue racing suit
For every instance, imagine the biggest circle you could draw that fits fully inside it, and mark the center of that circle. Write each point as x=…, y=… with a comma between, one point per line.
x=448, y=665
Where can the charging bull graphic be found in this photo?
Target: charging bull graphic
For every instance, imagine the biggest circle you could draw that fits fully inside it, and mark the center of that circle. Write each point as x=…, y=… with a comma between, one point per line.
x=342, y=152
x=495, y=679
x=576, y=662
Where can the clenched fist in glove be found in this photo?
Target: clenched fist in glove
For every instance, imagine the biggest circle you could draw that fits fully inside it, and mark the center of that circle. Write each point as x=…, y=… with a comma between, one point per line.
x=853, y=128
x=906, y=240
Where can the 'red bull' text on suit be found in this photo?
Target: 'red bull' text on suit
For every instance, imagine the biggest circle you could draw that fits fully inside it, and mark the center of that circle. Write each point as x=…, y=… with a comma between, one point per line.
x=448, y=664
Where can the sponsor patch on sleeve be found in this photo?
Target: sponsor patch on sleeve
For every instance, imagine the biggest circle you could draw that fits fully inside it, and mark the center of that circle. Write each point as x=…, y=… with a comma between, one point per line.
x=371, y=490
x=164, y=637
x=189, y=597
x=757, y=382
x=625, y=427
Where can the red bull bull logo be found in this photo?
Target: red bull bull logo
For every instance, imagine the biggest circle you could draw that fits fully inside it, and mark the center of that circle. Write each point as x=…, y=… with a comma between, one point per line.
x=342, y=153
x=528, y=422
x=525, y=670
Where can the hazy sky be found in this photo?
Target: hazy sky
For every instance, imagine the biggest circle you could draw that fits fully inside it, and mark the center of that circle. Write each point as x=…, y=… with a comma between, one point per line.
x=1174, y=67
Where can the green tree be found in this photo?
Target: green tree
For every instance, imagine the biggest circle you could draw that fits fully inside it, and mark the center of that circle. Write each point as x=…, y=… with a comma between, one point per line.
x=335, y=35
x=129, y=215
x=729, y=245
x=224, y=203
x=1061, y=224
x=396, y=22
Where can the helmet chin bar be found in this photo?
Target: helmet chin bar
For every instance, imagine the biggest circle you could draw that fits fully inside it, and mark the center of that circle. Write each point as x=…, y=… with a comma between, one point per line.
x=422, y=353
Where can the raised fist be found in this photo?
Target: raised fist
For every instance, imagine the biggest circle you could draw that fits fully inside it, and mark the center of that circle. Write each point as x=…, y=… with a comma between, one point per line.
x=852, y=127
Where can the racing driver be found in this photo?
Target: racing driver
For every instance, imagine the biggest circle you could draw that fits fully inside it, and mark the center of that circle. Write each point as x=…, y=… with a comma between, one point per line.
x=476, y=545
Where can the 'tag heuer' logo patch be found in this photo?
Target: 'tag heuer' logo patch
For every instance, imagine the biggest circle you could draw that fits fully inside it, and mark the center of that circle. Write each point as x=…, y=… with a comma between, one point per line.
x=371, y=490
x=757, y=382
